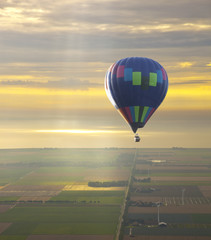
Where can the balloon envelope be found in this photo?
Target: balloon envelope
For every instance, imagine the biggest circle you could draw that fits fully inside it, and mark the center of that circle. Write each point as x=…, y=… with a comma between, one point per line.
x=136, y=86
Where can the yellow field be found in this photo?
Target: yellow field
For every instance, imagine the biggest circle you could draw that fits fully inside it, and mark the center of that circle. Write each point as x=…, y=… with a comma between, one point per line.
x=77, y=187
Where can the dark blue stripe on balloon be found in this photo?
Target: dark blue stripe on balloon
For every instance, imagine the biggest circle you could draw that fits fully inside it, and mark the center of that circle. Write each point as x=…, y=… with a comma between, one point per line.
x=132, y=113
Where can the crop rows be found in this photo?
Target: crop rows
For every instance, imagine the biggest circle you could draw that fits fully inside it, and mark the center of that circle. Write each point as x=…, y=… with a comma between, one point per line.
x=178, y=201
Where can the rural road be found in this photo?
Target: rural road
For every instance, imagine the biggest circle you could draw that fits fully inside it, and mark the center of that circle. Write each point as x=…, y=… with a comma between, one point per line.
x=117, y=237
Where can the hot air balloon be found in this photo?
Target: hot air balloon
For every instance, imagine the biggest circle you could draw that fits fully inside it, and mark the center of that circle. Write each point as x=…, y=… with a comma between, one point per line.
x=136, y=86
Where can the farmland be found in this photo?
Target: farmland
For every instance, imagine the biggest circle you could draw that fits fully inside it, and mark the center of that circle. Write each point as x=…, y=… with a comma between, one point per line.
x=59, y=219
x=44, y=194
x=89, y=197
x=178, y=194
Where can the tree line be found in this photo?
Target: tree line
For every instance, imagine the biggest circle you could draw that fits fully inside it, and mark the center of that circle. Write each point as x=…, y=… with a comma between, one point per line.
x=108, y=184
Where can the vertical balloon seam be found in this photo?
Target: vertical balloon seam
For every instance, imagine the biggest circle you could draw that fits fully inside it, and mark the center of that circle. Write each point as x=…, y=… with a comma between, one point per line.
x=119, y=83
x=150, y=114
x=127, y=109
x=130, y=90
x=109, y=91
x=132, y=113
x=144, y=114
x=113, y=81
x=147, y=114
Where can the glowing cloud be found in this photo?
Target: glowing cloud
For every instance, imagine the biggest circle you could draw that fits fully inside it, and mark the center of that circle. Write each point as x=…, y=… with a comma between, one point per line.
x=186, y=64
x=77, y=131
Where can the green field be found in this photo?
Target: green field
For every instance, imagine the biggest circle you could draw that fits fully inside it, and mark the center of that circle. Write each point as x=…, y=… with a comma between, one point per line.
x=68, y=175
x=61, y=220
x=100, y=197
x=13, y=237
x=177, y=218
x=172, y=183
x=61, y=166
x=8, y=199
x=11, y=174
x=61, y=157
x=176, y=174
x=178, y=230
x=34, y=179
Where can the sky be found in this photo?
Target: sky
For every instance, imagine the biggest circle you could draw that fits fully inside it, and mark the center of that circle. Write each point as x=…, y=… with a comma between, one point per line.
x=54, y=56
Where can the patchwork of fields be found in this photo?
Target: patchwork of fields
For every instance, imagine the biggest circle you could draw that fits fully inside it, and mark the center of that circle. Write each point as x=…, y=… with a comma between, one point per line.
x=177, y=191
x=44, y=194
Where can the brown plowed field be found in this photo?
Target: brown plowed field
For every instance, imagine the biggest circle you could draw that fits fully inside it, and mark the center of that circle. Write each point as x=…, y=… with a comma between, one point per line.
x=34, y=198
x=32, y=192
x=172, y=159
x=4, y=208
x=70, y=237
x=107, y=174
x=4, y=226
x=146, y=199
x=179, y=178
x=167, y=238
x=33, y=188
x=206, y=190
x=91, y=174
x=170, y=191
x=29, y=194
x=187, y=208
x=171, y=167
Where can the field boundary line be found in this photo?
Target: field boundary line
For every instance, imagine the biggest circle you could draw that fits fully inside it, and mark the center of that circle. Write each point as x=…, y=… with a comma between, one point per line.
x=119, y=225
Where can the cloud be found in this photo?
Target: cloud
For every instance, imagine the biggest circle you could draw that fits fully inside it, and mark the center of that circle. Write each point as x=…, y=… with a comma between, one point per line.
x=62, y=84
x=186, y=64
x=60, y=13
x=191, y=82
x=109, y=16
x=78, y=30
x=55, y=43
x=71, y=83
x=79, y=131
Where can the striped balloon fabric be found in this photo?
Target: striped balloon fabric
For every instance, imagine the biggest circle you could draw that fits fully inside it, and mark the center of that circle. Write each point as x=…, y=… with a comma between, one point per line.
x=136, y=86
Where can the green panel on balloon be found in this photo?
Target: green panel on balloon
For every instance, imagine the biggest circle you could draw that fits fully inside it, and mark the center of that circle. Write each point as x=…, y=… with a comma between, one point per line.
x=144, y=113
x=153, y=79
x=136, y=108
x=136, y=78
